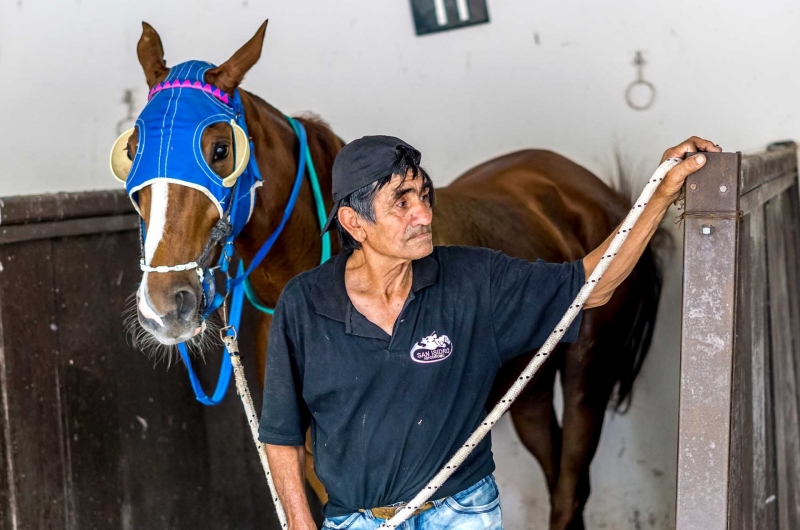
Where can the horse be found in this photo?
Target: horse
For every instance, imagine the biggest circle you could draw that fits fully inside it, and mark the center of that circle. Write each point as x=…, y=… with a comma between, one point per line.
x=532, y=204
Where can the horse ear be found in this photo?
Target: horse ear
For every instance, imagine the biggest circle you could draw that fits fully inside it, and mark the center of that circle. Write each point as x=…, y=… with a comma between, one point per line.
x=151, y=56
x=229, y=74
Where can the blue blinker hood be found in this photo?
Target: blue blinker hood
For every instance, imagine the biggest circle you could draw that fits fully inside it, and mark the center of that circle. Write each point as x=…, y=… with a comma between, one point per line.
x=170, y=130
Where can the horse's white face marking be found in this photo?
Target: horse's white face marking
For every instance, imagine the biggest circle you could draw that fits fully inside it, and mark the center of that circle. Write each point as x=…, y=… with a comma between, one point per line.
x=159, y=198
x=144, y=307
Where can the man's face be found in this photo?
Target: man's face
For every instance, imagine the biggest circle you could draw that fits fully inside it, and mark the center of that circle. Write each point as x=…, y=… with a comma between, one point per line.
x=403, y=216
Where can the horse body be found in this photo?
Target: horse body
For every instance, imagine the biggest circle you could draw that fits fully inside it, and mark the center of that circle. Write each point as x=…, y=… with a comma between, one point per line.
x=530, y=204
x=535, y=204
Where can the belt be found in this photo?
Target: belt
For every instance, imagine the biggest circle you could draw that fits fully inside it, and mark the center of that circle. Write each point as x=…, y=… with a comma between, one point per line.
x=387, y=512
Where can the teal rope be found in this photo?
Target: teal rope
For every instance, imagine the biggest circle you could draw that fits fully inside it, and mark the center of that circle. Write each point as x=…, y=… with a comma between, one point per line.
x=251, y=295
x=322, y=214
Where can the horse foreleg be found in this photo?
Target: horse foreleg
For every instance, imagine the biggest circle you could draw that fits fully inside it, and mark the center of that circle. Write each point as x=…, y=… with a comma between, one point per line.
x=536, y=424
x=587, y=383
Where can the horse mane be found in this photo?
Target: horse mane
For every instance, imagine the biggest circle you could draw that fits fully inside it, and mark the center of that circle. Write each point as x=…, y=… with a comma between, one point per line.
x=309, y=118
x=312, y=117
x=315, y=121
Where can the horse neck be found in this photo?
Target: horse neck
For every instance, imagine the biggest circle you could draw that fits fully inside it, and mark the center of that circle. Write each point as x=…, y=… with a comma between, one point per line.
x=299, y=246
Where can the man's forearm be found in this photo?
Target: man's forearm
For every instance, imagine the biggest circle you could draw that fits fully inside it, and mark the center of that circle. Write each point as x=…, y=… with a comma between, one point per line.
x=628, y=254
x=287, y=464
x=667, y=192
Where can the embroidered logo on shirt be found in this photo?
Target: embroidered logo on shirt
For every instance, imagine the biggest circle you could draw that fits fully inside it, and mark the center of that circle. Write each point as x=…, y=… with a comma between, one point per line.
x=432, y=349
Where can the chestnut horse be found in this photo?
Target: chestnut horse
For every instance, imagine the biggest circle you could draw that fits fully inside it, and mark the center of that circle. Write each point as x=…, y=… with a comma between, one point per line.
x=530, y=204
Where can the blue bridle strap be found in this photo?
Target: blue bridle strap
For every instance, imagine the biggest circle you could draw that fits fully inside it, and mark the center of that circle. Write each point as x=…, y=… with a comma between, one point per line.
x=322, y=214
x=240, y=286
x=224, y=379
x=298, y=182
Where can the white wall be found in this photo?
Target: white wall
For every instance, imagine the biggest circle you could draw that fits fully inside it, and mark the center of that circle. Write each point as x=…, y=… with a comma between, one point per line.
x=724, y=70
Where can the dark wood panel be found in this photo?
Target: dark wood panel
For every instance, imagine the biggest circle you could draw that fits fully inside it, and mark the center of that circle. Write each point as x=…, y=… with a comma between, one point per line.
x=765, y=484
x=104, y=379
x=785, y=387
x=71, y=227
x=752, y=479
x=36, y=459
x=791, y=231
x=101, y=436
x=8, y=491
x=741, y=483
x=763, y=167
x=23, y=209
x=756, y=198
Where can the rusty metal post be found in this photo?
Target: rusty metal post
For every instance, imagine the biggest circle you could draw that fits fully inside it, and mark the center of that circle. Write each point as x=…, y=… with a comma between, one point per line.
x=707, y=343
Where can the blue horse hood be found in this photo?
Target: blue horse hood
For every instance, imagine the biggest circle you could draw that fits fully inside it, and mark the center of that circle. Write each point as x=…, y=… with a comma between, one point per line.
x=170, y=130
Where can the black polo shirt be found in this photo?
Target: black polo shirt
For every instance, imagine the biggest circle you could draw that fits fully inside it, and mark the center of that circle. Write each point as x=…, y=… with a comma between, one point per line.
x=387, y=412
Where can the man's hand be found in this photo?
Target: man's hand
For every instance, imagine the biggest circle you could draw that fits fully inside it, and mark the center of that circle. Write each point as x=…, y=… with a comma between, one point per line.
x=667, y=193
x=670, y=187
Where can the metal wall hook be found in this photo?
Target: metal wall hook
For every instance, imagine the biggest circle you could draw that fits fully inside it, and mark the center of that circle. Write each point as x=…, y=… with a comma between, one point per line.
x=639, y=62
x=130, y=103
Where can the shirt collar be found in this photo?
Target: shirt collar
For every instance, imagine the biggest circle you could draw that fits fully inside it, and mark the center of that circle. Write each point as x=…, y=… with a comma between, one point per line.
x=329, y=294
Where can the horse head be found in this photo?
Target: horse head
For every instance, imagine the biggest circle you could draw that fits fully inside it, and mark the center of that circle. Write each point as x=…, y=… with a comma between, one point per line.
x=186, y=168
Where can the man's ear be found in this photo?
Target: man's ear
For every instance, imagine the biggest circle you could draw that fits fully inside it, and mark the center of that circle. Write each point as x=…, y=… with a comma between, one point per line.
x=151, y=56
x=229, y=74
x=349, y=220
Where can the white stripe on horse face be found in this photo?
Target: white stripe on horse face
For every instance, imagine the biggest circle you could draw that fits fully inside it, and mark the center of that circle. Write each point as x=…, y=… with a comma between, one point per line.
x=159, y=197
x=157, y=220
x=144, y=306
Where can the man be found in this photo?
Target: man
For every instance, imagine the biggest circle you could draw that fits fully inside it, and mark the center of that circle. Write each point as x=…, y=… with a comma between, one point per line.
x=388, y=350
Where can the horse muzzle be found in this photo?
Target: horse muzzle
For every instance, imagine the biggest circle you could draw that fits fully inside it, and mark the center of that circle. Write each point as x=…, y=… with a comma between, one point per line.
x=175, y=317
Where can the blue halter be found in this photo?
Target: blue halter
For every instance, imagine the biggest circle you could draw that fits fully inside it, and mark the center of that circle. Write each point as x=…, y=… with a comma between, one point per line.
x=170, y=129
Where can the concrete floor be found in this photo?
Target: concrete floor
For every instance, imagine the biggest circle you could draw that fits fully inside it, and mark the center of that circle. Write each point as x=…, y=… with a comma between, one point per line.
x=634, y=471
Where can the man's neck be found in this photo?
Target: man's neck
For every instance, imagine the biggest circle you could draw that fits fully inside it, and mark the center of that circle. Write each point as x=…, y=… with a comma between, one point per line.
x=382, y=278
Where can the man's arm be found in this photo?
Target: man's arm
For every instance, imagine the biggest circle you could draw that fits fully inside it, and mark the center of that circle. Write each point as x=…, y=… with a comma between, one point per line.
x=648, y=222
x=287, y=465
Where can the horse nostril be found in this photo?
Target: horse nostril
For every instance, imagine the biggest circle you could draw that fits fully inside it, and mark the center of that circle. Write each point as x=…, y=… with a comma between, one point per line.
x=185, y=303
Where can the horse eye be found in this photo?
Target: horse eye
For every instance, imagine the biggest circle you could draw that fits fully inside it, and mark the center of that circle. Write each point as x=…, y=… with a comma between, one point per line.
x=128, y=152
x=220, y=152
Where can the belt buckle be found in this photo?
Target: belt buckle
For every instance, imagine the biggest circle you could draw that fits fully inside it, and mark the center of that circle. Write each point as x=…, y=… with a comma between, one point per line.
x=385, y=512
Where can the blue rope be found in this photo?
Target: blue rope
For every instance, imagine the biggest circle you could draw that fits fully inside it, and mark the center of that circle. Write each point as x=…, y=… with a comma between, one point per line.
x=322, y=214
x=226, y=369
x=298, y=181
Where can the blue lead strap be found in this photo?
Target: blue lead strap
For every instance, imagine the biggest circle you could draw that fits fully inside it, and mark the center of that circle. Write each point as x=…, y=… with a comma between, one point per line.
x=298, y=181
x=225, y=371
x=222, y=383
x=321, y=213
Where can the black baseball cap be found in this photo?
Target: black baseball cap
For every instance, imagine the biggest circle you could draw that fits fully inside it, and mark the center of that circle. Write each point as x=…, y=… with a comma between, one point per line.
x=363, y=162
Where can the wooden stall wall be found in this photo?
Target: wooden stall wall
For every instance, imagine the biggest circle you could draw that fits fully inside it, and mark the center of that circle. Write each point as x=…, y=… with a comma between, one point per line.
x=95, y=434
x=739, y=440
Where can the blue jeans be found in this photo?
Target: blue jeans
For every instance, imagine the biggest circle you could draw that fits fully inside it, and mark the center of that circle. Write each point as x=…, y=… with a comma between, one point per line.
x=475, y=508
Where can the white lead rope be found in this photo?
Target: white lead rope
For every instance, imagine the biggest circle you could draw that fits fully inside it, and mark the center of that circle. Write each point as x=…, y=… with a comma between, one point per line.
x=505, y=402
x=232, y=346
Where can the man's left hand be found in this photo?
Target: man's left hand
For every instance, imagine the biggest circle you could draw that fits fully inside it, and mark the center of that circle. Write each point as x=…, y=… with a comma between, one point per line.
x=670, y=188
